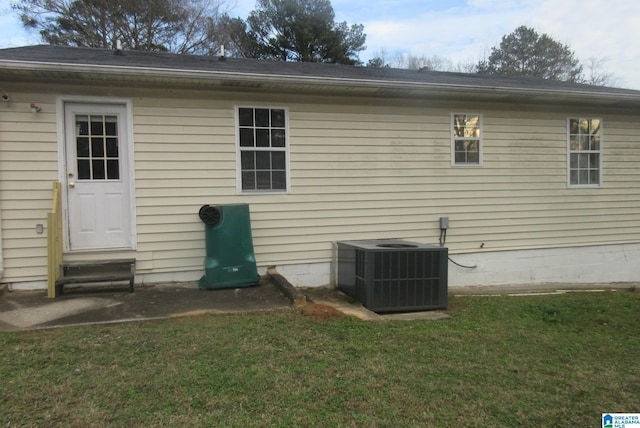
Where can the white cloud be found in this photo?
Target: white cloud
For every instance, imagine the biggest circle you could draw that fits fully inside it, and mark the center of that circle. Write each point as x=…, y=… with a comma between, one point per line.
x=11, y=32
x=596, y=28
x=591, y=28
x=457, y=34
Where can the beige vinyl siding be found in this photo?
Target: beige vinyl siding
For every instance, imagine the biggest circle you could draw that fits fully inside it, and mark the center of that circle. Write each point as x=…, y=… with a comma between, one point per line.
x=179, y=167
x=399, y=180
x=360, y=169
x=28, y=166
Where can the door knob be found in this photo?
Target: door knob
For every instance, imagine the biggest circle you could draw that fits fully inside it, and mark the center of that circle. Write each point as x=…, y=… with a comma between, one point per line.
x=72, y=184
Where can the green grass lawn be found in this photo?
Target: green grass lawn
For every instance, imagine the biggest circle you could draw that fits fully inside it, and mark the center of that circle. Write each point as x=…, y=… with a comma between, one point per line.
x=536, y=361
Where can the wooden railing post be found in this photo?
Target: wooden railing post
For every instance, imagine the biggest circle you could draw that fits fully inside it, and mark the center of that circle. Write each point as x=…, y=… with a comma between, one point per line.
x=54, y=242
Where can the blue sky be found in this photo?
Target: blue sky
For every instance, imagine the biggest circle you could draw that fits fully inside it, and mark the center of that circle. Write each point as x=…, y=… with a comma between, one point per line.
x=465, y=30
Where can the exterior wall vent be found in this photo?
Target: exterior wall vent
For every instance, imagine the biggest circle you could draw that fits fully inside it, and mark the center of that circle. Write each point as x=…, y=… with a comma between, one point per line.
x=393, y=275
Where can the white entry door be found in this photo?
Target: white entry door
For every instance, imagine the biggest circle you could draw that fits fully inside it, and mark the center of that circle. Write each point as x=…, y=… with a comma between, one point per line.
x=99, y=198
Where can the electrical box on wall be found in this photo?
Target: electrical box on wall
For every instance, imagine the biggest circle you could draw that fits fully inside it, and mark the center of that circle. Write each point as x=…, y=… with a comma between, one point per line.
x=444, y=222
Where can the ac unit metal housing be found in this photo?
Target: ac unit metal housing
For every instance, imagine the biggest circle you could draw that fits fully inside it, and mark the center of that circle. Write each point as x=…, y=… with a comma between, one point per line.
x=389, y=275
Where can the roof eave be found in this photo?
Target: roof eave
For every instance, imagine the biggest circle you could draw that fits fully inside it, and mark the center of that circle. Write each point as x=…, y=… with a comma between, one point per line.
x=374, y=87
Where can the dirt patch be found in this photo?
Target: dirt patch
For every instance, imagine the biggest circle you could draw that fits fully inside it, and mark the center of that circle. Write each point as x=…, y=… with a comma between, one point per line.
x=195, y=313
x=320, y=312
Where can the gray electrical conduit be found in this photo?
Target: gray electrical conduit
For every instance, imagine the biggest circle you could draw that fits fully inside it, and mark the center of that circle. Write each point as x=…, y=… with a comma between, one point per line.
x=443, y=240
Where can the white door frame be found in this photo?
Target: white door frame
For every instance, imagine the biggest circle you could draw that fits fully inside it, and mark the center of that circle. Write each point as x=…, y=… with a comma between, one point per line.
x=62, y=160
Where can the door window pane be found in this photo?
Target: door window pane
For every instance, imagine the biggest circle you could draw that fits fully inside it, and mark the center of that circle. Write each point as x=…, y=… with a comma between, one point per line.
x=113, y=169
x=112, y=148
x=82, y=146
x=82, y=125
x=96, y=125
x=111, y=125
x=84, y=169
x=97, y=166
x=97, y=149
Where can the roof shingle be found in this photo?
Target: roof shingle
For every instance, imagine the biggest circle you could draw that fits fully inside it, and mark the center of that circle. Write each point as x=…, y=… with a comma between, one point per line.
x=139, y=62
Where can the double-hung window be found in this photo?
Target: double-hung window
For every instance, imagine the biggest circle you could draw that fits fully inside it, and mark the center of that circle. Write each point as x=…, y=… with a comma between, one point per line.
x=466, y=139
x=262, y=147
x=585, y=158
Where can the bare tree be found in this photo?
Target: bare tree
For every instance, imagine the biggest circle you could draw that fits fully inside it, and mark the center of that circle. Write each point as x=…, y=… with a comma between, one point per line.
x=414, y=62
x=594, y=74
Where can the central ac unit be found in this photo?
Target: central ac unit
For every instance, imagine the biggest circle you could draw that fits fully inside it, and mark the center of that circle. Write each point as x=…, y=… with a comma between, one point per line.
x=393, y=275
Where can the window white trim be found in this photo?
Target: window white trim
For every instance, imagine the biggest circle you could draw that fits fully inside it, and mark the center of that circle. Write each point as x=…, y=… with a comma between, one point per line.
x=479, y=139
x=239, y=150
x=599, y=151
